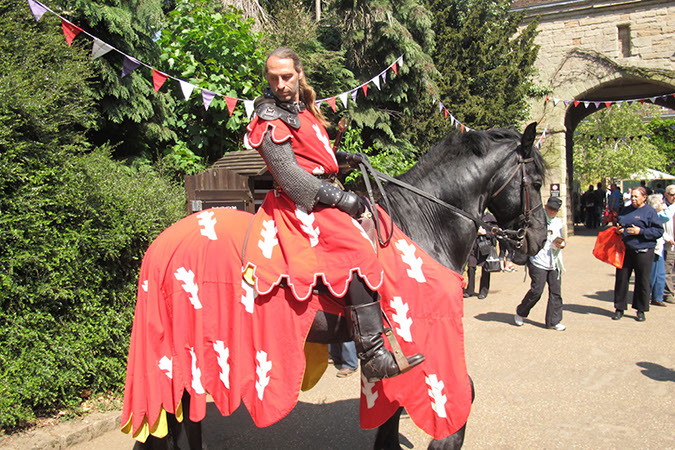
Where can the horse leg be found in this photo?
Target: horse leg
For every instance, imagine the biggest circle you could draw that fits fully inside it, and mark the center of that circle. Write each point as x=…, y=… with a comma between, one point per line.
x=455, y=441
x=387, y=433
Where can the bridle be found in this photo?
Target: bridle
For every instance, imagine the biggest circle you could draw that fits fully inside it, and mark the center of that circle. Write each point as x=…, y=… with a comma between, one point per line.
x=514, y=237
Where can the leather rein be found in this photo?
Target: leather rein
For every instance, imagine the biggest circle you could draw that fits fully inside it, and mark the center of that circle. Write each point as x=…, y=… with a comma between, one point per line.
x=513, y=237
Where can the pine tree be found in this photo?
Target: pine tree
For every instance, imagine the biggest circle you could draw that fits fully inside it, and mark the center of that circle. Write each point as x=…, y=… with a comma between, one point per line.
x=486, y=63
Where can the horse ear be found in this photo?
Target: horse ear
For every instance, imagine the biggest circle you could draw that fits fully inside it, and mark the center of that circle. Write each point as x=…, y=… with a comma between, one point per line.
x=527, y=141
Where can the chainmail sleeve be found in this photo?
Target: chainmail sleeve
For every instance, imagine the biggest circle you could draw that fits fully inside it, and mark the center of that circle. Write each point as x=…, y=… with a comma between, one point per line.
x=296, y=182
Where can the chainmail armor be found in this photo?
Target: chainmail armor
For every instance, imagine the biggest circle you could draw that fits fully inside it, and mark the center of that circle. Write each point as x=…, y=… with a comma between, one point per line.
x=301, y=186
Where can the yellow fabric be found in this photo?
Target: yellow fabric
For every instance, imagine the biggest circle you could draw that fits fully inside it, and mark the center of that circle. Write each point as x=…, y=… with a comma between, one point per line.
x=316, y=360
x=248, y=275
x=160, y=429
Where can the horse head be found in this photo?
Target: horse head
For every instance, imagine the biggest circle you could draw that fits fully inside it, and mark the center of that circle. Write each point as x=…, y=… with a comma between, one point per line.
x=515, y=195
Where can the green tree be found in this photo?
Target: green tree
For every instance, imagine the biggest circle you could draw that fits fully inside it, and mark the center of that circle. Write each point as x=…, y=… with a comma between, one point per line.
x=486, y=64
x=663, y=137
x=132, y=115
x=215, y=49
x=613, y=144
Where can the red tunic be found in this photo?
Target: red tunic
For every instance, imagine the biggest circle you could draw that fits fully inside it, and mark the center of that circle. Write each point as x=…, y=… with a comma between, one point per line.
x=286, y=242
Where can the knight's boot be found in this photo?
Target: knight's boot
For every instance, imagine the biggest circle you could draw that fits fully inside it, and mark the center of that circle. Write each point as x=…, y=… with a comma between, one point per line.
x=365, y=323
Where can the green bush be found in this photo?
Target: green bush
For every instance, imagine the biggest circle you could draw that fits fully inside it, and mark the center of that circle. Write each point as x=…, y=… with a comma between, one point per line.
x=71, y=243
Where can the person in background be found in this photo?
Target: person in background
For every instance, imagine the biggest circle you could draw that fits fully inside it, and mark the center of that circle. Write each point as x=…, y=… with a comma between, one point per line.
x=639, y=227
x=627, y=197
x=600, y=203
x=479, y=254
x=643, y=184
x=546, y=267
x=657, y=281
x=588, y=202
x=669, y=244
x=344, y=358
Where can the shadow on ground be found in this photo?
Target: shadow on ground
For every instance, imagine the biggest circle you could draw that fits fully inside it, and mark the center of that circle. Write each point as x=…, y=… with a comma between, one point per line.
x=584, y=309
x=656, y=371
x=504, y=318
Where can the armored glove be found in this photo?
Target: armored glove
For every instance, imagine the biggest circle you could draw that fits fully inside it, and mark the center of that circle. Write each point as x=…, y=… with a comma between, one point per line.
x=342, y=200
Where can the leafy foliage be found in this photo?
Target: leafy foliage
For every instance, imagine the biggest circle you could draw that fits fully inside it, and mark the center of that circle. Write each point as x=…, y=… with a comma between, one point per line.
x=73, y=227
x=215, y=49
x=603, y=148
x=663, y=137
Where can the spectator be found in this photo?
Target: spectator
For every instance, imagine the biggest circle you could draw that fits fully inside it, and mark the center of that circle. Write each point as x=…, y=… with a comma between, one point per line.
x=344, y=358
x=615, y=199
x=639, y=227
x=658, y=275
x=643, y=184
x=479, y=253
x=588, y=202
x=627, y=197
x=546, y=267
x=600, y=203
x=669, y=244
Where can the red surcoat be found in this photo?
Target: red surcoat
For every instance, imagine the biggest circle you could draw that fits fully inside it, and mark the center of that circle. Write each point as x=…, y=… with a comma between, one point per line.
x=286, y=242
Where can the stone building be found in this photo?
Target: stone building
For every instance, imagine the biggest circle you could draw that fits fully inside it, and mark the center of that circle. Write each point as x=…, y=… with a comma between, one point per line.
x=592, y=52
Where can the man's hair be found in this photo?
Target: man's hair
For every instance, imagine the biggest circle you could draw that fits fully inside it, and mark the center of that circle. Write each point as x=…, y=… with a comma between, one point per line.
x=670, y=188
x=307, y=94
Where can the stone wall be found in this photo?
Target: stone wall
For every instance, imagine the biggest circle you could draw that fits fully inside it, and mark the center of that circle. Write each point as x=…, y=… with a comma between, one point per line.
x=583, y=55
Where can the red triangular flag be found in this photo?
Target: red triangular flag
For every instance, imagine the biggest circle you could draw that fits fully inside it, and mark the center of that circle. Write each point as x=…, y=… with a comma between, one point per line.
x=576, y=103
x=608, y=104
x=445, y=111
x=462, y=128
x=546, y=100
x=642, y=100
x=231, y=103
x=70, y=31
x=395, y=69
x=331, y=102
x=158, y=79
x=365, y=89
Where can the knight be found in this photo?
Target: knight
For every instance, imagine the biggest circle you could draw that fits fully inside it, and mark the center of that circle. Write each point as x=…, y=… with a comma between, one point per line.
x=307, y=229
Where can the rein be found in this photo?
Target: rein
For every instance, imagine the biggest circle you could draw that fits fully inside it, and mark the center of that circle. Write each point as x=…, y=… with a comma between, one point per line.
x=513, y=237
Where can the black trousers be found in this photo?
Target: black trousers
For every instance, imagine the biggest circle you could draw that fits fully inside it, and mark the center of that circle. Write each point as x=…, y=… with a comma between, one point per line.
x=641, y=263
x=471, y=283
x=540, y=278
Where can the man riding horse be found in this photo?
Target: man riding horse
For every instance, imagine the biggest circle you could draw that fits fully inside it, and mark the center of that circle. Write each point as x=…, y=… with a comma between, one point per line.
x=307, y=223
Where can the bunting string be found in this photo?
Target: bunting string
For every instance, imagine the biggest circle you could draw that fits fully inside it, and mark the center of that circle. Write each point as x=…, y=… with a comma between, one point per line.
x=100, y=48
x=607, y=103
x=600, y=137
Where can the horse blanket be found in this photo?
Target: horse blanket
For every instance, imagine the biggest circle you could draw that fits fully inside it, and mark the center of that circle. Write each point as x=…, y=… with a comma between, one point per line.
x=199, y=326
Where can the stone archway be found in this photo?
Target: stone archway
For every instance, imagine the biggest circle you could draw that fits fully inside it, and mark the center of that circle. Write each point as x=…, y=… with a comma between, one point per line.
x=596, y=51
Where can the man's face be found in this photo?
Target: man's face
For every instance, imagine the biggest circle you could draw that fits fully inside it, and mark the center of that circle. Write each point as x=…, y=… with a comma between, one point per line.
x=670, y=197
x=550, y=212
x=283, y=79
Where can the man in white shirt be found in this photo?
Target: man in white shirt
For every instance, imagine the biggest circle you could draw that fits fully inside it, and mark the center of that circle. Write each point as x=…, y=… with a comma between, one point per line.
x=669, y=250
x=545, y=268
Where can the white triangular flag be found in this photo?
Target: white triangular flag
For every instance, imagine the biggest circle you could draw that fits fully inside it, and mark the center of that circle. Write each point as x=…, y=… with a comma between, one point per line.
x=187, y=89
x=376, y=80
x=344, y=97
x=99, y=48
x=400, y=60
x=248, y=105
x=555, y=101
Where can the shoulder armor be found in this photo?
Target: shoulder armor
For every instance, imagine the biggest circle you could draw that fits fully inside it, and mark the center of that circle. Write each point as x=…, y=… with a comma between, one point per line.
x=269, y=110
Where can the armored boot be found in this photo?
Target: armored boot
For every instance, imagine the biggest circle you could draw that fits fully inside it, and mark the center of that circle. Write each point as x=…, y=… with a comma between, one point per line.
x=365, y=323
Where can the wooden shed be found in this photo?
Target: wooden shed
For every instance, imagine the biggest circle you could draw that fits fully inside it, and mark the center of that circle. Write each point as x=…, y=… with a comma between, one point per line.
x=237, y=180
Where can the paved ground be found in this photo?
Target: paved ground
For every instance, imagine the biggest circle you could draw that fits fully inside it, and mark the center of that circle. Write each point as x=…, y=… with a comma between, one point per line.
x=599, y=384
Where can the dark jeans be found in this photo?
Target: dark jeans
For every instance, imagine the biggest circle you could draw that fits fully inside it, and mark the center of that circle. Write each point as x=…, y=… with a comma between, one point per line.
x=471, y=283
x=540, y=278
x=641, y=263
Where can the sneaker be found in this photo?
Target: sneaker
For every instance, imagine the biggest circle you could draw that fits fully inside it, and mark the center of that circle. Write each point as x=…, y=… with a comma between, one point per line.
x=518, y=320
x=345, y=372
x=558, y=327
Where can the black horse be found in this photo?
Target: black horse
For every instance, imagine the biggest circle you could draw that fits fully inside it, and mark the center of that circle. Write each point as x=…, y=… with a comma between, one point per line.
x=497, y=169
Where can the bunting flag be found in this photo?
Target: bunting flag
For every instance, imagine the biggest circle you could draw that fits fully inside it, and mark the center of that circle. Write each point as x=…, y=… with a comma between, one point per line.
x=248, y=105
x=70, y=31
x=207, y=97
x=608, y=103
x=99, y=48
x=231, y=103
x=187, y=88
x=129, y=65
x=344, y=98
x=158, y=79
x=37, y=8
x=331, y=102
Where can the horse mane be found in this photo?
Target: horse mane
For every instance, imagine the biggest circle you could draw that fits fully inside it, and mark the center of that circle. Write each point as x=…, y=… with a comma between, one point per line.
x=476, y=142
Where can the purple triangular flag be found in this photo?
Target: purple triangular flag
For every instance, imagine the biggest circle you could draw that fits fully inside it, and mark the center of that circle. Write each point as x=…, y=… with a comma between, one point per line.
x=440, y=106
x=597, y=104
x=566, y=102
x=354, y=93
x=130, y=64
x=207, y=97
x=187, y=88
x=37, y=8
x=384, y=77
